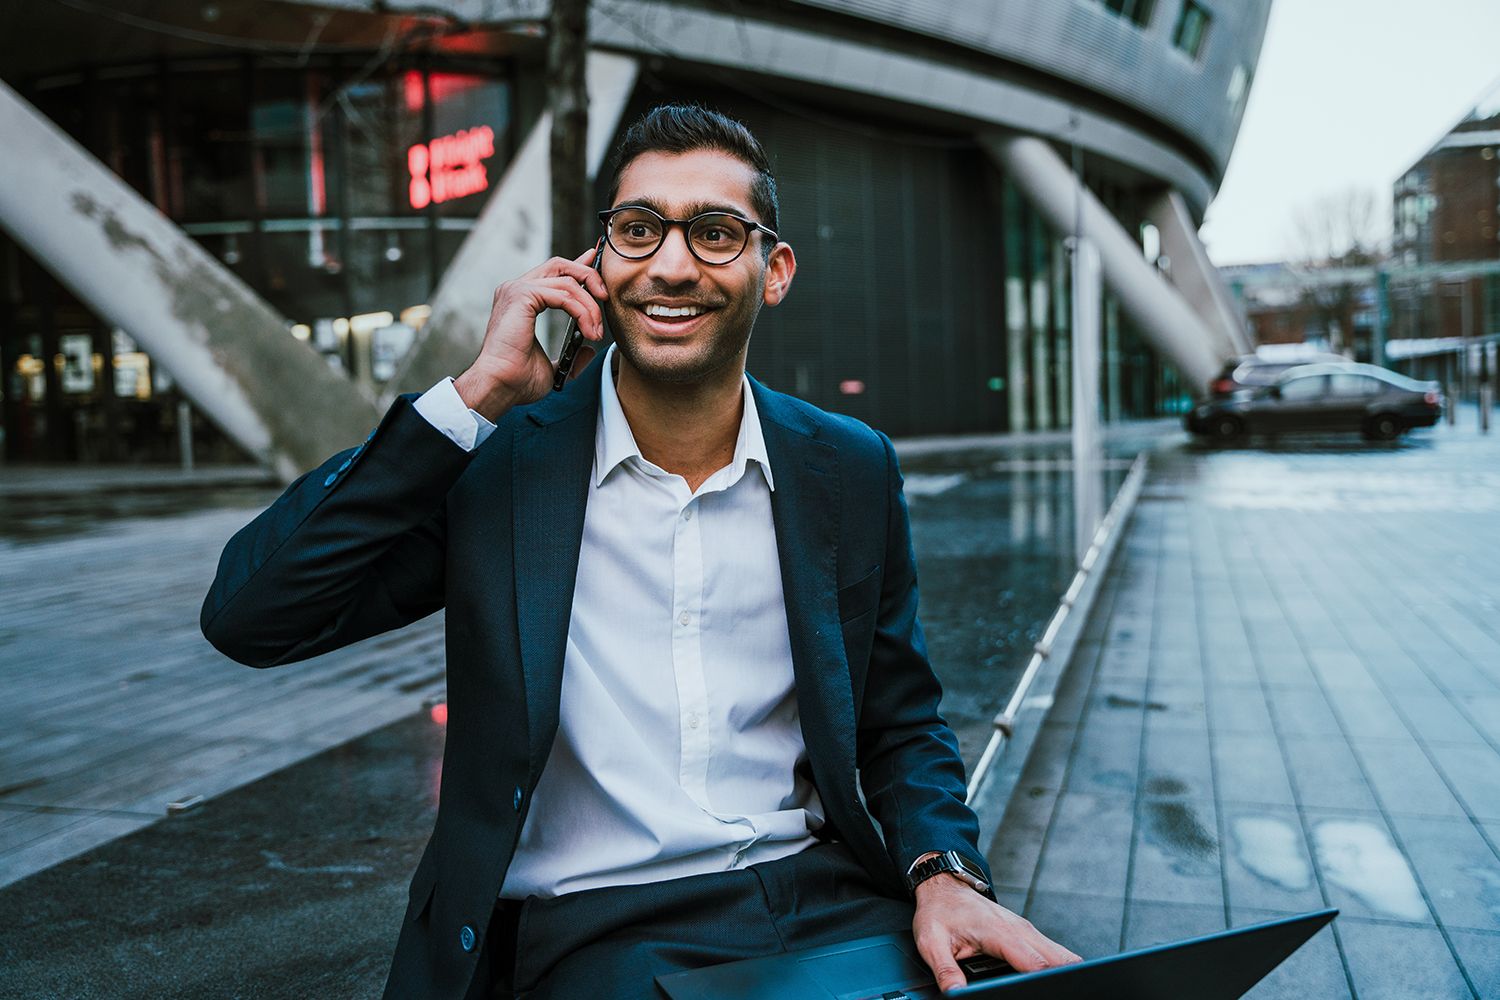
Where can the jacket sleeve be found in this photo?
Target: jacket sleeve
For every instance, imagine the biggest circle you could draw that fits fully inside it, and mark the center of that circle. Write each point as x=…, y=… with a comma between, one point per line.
x=910, y=768
x=353, y=548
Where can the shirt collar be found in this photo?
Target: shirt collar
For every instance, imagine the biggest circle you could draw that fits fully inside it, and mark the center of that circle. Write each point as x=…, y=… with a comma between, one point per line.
x=614, y=443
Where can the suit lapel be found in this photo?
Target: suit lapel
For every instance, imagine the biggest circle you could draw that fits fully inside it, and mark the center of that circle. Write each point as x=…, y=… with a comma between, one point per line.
x=805, y=510
x=554, y=454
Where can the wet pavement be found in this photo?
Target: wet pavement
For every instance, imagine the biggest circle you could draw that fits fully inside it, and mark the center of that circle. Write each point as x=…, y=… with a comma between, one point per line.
x=288, y=866
x=1287, y=697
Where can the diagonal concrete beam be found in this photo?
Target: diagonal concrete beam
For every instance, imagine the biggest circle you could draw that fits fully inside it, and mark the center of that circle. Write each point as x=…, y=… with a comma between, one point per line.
x=1162, y=316
x=1193, y=273
x=229, y=351
x=513, y=234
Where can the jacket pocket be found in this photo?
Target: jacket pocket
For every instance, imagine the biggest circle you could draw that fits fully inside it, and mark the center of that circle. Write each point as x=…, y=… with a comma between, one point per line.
x=860, y=597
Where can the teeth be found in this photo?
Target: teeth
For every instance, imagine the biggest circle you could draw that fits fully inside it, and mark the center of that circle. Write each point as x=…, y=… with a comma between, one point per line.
x=668, y=312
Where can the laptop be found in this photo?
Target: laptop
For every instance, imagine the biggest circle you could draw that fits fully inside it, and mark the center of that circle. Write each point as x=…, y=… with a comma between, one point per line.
x=1221, y=966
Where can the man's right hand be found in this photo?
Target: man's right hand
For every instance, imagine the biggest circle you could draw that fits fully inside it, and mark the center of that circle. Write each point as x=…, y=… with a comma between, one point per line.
x=512, y=368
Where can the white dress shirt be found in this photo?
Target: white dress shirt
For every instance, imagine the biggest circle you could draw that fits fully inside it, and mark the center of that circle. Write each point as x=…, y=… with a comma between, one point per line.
x=678, y=739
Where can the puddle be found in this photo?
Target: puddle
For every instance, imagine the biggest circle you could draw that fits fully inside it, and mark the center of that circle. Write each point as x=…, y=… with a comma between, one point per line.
x=1271, y=850
x=1176, y=827
x=1361, y=859
x=1118, y=701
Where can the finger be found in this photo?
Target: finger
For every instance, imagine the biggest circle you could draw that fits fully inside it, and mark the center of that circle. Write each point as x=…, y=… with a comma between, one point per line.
x=1016, y=941
x=937, y=951
x=590, y=317
x=560, y=293
x=578, y=270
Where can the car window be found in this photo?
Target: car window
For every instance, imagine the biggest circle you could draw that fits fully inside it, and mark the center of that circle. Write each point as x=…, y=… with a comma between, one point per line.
x=1349, y=384
x=1306, y=387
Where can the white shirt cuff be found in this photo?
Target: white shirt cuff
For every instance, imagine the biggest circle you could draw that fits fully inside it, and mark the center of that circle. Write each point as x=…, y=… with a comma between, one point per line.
x=442, y=407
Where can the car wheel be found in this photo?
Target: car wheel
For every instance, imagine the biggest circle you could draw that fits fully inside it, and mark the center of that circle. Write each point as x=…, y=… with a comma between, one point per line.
x=1383, y=427
x=1225, y=428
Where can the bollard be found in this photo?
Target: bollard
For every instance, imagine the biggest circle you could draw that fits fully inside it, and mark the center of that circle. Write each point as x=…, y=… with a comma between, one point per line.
x=1486, y=400
x=185, y=434
x=1452, y=406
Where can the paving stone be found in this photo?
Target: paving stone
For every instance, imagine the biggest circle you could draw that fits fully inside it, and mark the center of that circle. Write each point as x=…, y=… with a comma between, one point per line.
x=1390, y=962
x=1474, y=772
x=1325, y=774
x=1148, y=922
x=1087, y=925
x=1404, y=779
x=1016, y=847
x=1106, y=753
x=1479, y=955
x=1088, y=845
x=1362, y=870
x=1239, y=710
x=1267, y=863
x=1458, y=870
x=1177, y=857
x=1251, y=770
x=1314, y=971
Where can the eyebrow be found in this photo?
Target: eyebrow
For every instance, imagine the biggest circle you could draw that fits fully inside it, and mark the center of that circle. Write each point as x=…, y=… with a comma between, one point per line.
x=692, y=210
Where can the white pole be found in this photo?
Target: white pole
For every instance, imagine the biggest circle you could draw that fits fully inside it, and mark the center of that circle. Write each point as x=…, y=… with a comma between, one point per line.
x=1088, y=300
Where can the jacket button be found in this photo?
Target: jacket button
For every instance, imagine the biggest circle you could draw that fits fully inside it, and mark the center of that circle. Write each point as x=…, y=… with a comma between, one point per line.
x=515, y=799
x=466, y=938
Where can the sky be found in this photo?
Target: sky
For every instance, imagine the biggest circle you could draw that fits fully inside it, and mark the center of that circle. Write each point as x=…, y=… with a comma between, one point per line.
x=1347, y=93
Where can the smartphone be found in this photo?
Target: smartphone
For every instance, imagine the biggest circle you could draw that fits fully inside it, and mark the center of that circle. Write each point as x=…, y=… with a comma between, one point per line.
x=573, y=339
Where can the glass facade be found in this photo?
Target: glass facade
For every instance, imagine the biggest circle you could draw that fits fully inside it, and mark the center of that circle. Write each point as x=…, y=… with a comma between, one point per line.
x=1138, y=12
x=336, y=191
x=930, y=297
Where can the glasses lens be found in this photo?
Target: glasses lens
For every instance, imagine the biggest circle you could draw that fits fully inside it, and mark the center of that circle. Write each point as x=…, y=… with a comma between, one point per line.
x=634, y=232
x=718, y=238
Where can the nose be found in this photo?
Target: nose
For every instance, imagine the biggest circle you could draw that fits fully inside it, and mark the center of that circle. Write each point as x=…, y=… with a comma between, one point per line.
x=673, y=263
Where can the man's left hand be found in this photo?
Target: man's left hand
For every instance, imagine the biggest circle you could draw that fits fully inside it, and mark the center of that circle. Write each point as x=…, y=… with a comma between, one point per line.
x=954, y=922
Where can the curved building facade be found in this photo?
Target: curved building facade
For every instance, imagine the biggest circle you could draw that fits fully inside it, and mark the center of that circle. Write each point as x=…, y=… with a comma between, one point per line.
x=354, y=177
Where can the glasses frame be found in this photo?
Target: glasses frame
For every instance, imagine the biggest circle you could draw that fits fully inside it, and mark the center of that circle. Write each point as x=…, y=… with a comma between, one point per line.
x=755, y=227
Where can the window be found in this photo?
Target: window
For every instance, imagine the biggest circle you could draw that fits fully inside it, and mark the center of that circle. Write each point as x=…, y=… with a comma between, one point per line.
x=1192, y=26
x=1136, y=11
x=1304, y=387
x=1349, y=384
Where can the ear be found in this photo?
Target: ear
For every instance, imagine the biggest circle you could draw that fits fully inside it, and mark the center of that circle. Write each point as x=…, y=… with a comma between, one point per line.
x=780, y=268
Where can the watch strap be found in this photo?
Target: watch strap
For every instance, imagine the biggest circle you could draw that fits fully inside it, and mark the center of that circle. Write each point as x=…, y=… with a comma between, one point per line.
x=952, y=863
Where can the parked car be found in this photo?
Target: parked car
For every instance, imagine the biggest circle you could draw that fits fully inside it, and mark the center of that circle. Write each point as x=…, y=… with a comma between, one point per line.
x=1379, y=403
x=1251, y=371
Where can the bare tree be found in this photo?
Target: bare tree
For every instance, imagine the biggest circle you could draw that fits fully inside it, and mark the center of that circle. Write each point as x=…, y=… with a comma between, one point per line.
x=1334, y=233
x=568, y=100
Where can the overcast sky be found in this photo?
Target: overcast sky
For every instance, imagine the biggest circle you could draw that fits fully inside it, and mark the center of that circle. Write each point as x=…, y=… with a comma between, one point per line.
x=1347, y=93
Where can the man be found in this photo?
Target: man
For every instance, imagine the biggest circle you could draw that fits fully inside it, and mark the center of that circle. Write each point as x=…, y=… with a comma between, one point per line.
x=681, y=624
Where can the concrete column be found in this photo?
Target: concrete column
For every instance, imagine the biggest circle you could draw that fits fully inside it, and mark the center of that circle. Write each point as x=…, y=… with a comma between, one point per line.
x=512, y=235
x=1195, y=276
x=1088, y=492
x=228, y=350
x=1164, y=318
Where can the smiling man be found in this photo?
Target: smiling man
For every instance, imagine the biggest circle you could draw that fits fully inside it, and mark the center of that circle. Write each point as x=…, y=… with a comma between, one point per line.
x=681, y=625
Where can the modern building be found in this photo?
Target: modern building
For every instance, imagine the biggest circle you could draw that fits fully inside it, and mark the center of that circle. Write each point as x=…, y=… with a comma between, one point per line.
x=1447, y=221
x=285, y=212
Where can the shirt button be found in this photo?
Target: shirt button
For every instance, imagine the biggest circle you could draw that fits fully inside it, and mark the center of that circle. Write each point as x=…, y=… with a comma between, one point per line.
x=692, y=720
x=684, y=618
x=687, y=514
x=515, y=800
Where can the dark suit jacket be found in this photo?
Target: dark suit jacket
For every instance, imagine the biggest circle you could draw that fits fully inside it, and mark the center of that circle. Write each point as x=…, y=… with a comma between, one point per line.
x=407, y=523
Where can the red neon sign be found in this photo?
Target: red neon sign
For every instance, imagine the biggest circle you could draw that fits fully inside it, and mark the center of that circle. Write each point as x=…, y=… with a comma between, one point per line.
x=450, y=166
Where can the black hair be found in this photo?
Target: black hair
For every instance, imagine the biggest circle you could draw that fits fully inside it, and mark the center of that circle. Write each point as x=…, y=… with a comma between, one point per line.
x=684, y=128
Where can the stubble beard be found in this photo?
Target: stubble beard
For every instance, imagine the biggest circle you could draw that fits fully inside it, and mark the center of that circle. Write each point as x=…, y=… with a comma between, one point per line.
x=722, y=345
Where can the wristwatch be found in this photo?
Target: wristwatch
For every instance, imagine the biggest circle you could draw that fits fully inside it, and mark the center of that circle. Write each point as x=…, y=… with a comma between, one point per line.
x=953, y=863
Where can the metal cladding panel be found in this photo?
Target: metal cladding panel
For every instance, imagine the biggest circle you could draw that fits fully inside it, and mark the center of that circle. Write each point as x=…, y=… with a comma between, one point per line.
x=1085, y=44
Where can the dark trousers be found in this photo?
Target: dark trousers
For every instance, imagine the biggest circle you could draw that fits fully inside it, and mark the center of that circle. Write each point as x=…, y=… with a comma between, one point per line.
x=613, y=942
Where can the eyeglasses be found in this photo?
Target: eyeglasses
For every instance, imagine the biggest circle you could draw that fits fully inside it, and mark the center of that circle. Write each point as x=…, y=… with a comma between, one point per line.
x=636, y=233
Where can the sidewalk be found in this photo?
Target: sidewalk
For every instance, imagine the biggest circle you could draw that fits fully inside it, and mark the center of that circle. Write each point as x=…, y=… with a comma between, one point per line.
x=1287, y=697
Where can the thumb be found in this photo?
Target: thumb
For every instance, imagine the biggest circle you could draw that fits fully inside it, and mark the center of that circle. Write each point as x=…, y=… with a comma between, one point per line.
x=937, y=952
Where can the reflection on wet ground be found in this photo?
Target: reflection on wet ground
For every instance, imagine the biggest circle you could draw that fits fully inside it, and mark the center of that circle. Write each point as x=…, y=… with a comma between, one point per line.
x=37, y=518
x=993, y=533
